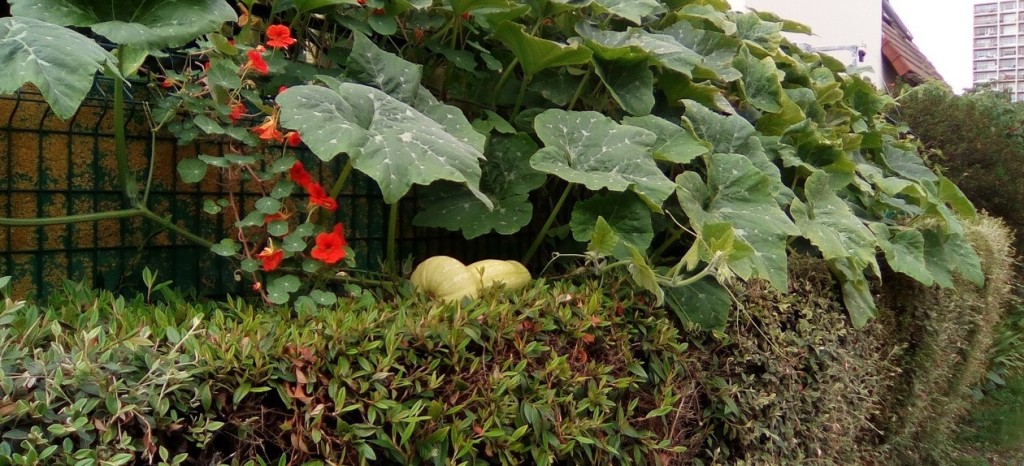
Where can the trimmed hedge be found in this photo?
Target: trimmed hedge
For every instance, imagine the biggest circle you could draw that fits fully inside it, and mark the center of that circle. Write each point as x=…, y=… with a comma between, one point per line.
x=560, y=373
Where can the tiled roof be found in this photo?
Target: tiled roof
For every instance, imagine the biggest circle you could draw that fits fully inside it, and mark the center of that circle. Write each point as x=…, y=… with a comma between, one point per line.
x=898, y=50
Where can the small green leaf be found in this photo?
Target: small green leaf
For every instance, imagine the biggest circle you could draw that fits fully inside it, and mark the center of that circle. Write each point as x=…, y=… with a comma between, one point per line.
x=323, y=298
x=642, y=273
x=904, y=251
x=250, y=265
x=705, y=303
x=192, y=170
x=603, y=240
x=630, y=84
x=226, y=248
x=278, y=228
x=268, y=205
x=675, y=144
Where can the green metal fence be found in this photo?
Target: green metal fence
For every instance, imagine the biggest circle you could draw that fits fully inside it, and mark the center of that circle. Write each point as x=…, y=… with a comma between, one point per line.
x=50, y=167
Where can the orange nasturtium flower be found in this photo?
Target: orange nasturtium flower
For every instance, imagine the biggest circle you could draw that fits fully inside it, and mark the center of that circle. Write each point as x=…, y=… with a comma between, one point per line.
x=268, y=131
x=330, y=247
x=319, y=197
x=293, y=138
x=279, y=36
x=256, y=61
x=271, y=258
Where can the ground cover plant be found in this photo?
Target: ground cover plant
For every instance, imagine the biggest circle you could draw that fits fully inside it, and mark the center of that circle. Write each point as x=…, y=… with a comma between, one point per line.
x=689, y=145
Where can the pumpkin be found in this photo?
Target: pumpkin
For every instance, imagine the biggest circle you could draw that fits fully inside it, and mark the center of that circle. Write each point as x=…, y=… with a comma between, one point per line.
x=445, y=278
x=449, y=280
x=492, y=272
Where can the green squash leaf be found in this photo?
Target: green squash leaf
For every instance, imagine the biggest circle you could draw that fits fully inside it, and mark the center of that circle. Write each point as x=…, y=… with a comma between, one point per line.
x=631, y=85
x=60, y=62
x=951, y=194
x=625, y=214
x=537, y=54
x=388, y=72
x=904, y=251
x=760, y=83
x=949, y=253
x=637, y=44
x=632, y=10
x=675, y=143
x=907, y=164
x=740, y=194
x=829, y=223
x=593, y=150
x=146, y=24
x=705, y=303
x=860, y=304
x=717, y=49
x=393, y=143
x=507, y=180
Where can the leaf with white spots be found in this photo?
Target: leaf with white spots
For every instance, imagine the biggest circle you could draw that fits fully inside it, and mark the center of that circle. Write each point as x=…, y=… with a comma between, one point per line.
x=388, y=72
x=738, y=193
x=392, y=142
x=507, y=180
x=593, y=150
x=147, y=24
x=58, y=61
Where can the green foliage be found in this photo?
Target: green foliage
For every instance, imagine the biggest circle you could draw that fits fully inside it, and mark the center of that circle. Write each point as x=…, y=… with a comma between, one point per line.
x=564, y=375
x=603, y=95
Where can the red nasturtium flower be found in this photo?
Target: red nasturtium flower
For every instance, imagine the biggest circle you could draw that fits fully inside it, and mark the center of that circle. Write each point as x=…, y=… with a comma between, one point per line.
x=293, y=138
x=319, y=197
x=256, y=61
x=300, y=176
x=271, y=258
x=237, y=112
x=279, y=36
x=330, y=247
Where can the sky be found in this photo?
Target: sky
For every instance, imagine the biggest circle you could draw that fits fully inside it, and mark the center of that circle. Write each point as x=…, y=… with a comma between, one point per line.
x=941, y=30
x=943, y=33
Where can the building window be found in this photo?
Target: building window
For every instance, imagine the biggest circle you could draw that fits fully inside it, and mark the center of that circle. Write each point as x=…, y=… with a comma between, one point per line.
x=1009, y=40
x=1006, y=76
x=1008, y=6
x=1008, y=18
x=980, y=43
x=984, y=76
x=985, y=31
x=1007, y=64
x=985, y=65
x=990, y=53
x=985, y=8
x=1007, y=52
x=1008, y=29
x=989, y=19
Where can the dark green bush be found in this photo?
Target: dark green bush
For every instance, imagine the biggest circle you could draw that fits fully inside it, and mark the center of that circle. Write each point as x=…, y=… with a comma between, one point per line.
x=979, y=137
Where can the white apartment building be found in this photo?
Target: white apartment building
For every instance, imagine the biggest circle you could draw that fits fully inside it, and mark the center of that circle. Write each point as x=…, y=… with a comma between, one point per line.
x=999, y=45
